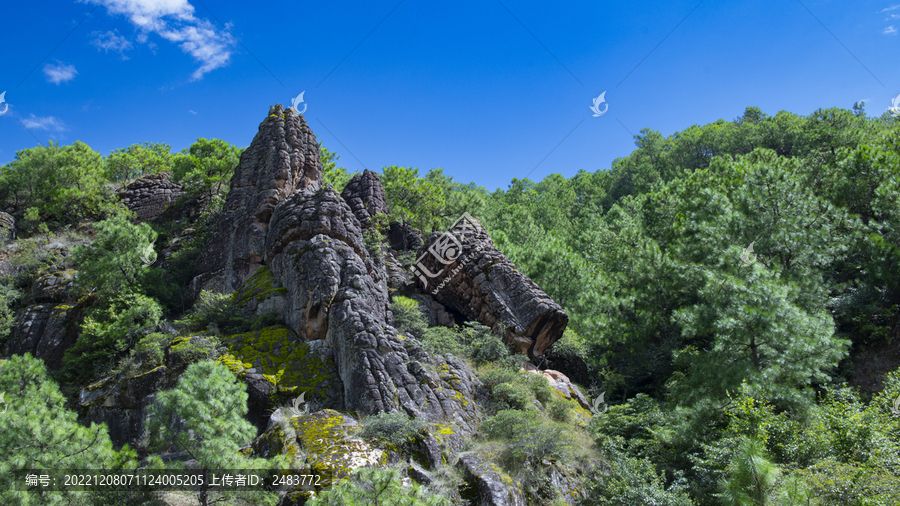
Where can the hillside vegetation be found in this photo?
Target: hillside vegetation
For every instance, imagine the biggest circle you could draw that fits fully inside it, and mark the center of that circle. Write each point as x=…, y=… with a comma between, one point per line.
x=733, y=293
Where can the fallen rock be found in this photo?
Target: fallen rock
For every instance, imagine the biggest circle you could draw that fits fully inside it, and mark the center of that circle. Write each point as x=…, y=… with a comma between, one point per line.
x=365, y=196
x=150, y=196
x=283, y=158
x=561, y=383
x=465, y=271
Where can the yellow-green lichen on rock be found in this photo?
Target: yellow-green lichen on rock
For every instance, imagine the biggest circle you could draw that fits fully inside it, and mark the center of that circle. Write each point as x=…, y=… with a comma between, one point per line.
x=257, y=289
x=291, y=365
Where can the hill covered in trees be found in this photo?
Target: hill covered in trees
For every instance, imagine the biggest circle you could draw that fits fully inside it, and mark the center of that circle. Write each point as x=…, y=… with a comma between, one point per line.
x=732, y=295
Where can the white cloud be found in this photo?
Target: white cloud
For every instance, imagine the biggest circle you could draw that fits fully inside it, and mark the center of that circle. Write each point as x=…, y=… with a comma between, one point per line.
x=111, y=41
x=61, y=73
x=174, y=21
x=46, y=123
x=192, y=112
x=891, y=8
x=890, y=30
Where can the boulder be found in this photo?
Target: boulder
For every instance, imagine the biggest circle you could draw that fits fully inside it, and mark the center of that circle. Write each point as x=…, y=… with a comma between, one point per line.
x=7, y=228
x=283, y=158
x=463, y=270
x=150, y=195
x=365, y=196
x=561, y=383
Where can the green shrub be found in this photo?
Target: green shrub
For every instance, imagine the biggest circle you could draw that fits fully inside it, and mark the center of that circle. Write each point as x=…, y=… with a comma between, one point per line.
x=484, y=345
x=147, y=354
x=108, y=331
x=9, y=296
x=397, y=429
x=222, y=311
x=512, y=396
x=442, y=340
x=372, y=486
x=408, y=317
x=527, y=439
x=116, y=260
x=623, y=480
x=538, y=385
x=559, y=411
x=493, y=375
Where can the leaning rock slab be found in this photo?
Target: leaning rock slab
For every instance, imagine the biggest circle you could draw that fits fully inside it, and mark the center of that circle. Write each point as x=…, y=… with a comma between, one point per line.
x=463, y=269
x=283, y=157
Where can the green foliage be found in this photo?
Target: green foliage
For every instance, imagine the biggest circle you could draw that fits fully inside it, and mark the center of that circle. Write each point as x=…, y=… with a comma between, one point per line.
x=377, y=487
x=408, y=316
x=442, y=340
x=512, y=396
x=205, y=166
x=204, y=417
x=38, y=432
x=397, y=429
x=64, y=184
x=109, y=330
x=411, y=199
x=9, y=296
x=484, y=345
x=141, y=159
x=627, y=480
x=754, y=480
x=225, y=314
x=527, y=438
x=331, y=173
x=116, y=261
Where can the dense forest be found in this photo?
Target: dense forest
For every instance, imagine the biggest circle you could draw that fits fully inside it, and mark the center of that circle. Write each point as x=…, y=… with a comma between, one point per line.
x=733, y=294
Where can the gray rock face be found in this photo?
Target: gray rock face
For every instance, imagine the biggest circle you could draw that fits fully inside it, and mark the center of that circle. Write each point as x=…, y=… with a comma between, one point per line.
x=491, y=486
x=7, y=228
x=283, y=158
x=48, y=326
x=365, y=196
x=337, y=293
x=151, y=195
x=403, y=237
x=463, y=269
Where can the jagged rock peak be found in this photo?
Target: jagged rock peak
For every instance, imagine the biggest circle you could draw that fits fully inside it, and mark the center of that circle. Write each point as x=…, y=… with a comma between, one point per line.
x=365, y=195
x=283, y=158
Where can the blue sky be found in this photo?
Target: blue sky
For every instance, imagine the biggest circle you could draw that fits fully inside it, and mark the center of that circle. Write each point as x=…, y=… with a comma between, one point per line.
x=487, y=90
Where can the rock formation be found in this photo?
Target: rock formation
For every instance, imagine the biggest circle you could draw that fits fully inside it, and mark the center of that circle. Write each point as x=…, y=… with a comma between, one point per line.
x=48, y=325
x=403, y=237
x=365, y=196
x=464, y=270
x=150, y=195
x=7, y=228
x=283, y=158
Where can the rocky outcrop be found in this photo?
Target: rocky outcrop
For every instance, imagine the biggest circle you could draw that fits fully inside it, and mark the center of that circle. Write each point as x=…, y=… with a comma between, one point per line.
x=283, y=158
x=48, y=325
x=7, y=228
x=150, y=195
x=337, y=294
x=365, y=196
x=561, y=383
x=490, y=486
x=464, y=270
x=403, y=237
